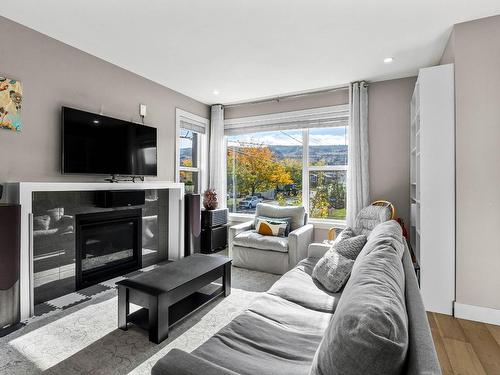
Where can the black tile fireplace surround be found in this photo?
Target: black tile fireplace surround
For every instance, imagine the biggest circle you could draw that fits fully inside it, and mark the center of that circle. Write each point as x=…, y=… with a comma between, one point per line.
x=55, y=231
x=108, y=244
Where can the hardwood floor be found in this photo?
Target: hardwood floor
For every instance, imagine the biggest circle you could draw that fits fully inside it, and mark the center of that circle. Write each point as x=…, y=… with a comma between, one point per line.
x=465, y=347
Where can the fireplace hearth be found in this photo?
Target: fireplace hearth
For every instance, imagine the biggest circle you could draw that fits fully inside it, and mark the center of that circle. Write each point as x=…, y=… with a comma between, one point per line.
x=108, y=244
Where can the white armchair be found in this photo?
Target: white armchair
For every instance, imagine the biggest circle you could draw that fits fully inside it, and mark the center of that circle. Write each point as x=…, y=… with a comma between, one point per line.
x=277, y=255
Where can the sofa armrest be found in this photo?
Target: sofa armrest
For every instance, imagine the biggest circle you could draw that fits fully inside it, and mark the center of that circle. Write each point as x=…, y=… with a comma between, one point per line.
x=298, y=242
x=178, y=362
x=317, y=250
x=238, y=228
x=234, y=231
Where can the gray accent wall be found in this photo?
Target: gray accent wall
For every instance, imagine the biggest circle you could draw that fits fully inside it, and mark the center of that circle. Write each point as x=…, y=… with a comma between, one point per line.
x=318, y=100
x=389, y=136
x=54, y=74
x=475, y=48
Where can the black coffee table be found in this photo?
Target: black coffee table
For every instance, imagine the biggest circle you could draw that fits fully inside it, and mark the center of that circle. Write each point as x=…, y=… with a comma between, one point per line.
x=171, y=292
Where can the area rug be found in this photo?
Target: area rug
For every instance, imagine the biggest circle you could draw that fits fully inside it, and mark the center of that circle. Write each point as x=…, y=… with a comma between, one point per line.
x=84, y=339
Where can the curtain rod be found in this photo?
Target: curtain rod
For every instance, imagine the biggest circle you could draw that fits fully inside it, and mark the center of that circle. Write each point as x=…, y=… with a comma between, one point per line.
x=284, y=97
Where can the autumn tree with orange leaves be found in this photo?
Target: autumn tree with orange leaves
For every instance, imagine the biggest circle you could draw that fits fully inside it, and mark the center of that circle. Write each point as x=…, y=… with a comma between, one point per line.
x=256, y=169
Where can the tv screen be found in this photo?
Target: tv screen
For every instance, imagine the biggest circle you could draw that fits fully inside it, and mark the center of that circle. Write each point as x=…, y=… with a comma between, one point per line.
x=96, y=144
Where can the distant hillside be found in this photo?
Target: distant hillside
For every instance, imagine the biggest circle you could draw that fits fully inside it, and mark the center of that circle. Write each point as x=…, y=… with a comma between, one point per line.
x=335, y=154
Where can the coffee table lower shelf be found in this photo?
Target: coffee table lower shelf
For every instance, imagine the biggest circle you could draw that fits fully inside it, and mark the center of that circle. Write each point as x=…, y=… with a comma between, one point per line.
x=178, y=311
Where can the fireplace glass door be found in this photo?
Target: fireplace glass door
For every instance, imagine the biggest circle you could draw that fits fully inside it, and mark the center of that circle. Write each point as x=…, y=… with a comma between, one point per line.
x=108, y=243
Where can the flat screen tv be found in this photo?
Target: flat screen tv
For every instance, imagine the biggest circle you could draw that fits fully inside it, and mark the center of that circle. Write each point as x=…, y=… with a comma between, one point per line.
x=96, y=144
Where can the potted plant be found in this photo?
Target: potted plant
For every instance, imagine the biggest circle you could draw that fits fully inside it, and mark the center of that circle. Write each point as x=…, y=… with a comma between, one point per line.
x=189, y=186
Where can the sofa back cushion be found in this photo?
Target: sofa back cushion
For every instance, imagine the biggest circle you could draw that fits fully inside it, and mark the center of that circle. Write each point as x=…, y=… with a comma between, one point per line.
x=297, y=214
x=388, y=233
x=369, y=331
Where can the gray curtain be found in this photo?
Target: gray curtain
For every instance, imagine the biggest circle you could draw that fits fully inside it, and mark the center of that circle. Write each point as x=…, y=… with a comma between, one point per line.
x=358, y=152
x=218, y=154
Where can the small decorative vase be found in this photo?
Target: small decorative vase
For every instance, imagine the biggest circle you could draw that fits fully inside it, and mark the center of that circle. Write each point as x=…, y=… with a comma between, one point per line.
x=210, y=201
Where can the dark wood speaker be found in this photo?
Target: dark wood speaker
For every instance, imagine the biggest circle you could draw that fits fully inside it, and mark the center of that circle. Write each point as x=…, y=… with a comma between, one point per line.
x=192, y=224
x=10, y=221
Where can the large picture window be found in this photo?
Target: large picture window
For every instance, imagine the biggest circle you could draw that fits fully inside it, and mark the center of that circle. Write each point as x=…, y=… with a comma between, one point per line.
x=289, y=167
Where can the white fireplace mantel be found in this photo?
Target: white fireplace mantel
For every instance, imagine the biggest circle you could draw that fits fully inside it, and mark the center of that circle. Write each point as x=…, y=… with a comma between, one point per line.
x=22, y=193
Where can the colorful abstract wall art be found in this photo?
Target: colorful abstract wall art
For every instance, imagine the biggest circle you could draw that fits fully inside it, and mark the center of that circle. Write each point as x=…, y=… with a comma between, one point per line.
x=11, y=97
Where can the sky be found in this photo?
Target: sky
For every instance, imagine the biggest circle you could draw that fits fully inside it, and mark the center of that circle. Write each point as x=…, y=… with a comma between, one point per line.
x=317, y=137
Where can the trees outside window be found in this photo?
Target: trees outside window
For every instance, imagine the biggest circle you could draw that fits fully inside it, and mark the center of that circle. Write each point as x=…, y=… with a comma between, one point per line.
x=282, y=167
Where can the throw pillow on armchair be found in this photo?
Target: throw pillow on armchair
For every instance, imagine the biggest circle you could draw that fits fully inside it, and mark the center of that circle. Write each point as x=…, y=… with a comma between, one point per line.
x=272, y=228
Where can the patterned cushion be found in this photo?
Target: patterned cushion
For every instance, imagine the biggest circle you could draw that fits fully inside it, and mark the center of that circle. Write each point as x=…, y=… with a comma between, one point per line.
x=332, y=271
x=369, y=217
x=287, y=220
x=346, y=233
x=350, y=247
x=271, y=228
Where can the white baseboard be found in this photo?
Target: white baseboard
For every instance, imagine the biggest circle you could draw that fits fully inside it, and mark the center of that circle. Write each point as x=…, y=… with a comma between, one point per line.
x=477, y=313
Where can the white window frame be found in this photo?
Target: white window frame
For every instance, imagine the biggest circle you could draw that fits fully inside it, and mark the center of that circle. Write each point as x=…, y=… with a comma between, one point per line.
x=195, y=121
x=314, y=118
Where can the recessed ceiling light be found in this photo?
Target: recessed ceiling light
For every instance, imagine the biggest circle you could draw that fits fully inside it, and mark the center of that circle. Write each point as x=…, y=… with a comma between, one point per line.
x=388, y=60
x=216, y=92
x=96, y=121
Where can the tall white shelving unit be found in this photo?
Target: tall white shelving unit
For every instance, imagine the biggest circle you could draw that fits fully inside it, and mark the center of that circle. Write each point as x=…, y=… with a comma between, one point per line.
x=432, y=185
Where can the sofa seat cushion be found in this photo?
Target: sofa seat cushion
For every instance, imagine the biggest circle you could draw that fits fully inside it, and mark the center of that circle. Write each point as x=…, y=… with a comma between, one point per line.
x=254, y=240
x=252, y=344
x=291, y=315
x=298, y=286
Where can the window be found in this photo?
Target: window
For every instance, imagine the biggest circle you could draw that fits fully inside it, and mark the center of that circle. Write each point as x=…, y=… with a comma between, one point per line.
x=264, y=167
x=188, y=167
x=304, y=164
x=327, y=170
x=192, y=155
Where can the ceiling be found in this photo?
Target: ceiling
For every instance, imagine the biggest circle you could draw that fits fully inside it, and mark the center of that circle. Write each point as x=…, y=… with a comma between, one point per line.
x=249, y=49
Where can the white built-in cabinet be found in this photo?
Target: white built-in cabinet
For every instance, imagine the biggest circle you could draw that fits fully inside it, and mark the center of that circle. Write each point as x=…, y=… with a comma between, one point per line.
x=432, y=185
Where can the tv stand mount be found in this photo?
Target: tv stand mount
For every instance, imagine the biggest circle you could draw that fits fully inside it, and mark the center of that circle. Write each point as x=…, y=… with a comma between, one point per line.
x=116, y=179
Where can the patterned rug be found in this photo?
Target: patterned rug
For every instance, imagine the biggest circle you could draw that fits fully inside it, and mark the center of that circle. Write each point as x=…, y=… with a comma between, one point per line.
x=79, y=335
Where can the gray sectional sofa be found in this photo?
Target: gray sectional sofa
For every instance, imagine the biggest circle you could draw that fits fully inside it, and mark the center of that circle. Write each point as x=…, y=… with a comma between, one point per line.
x=376, y=324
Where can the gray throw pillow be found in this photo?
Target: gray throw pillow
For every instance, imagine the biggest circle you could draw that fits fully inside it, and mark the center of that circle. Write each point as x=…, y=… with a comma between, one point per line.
x=350, y=247
x=332, y=271
x=346, y=233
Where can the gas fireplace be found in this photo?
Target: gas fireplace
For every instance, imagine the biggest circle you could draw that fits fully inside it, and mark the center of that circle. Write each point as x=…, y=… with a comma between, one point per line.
x=108, y=244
